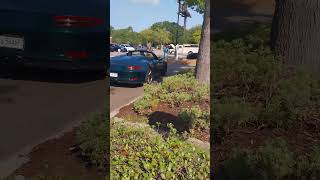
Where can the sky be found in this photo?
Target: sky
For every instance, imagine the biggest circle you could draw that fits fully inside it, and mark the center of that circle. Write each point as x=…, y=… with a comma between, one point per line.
x=141, y=14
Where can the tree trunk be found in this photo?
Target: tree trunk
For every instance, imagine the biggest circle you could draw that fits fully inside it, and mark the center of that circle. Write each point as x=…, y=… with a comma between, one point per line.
x=295, y=32
x=203, y=63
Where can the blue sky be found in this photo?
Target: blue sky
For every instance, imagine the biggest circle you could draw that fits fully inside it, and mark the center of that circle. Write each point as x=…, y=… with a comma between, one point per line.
x=141, y=14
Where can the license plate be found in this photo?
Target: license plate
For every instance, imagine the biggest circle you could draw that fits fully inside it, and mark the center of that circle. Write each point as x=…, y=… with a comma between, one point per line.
x=113, y=74
x=11, y=42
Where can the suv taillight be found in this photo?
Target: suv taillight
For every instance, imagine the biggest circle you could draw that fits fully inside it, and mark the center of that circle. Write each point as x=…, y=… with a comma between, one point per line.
x=76, y=21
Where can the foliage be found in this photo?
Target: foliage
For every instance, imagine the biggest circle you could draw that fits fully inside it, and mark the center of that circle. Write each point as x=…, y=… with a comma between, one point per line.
x=309, y=167
x=196, y=34
x=146, y=102
x=171, y=28
x=195, y=118
x=198, y=5
x=273, y=160
x=124, y=36
x=174, y=90
x=158, y=33
x=155, y=36
x=258, y=89
x=92, y=137
x=144, y=154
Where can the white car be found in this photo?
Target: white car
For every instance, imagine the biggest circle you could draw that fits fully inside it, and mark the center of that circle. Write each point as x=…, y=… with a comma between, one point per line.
x=126, y=48
x=185, y=49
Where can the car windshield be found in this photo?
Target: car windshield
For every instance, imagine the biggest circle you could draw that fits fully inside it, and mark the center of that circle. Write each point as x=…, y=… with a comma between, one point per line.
x=145, y=54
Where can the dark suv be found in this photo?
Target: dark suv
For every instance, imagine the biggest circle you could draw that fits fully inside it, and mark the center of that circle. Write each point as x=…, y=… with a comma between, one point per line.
x=59, y=34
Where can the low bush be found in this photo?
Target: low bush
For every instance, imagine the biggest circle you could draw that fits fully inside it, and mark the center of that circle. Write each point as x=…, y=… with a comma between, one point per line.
x=92, y=137
x=195, y=118
x=252, y=87
x=142, y=153
x=273, y=160
x=309, y=167
x=174, y=90
x=143, y=104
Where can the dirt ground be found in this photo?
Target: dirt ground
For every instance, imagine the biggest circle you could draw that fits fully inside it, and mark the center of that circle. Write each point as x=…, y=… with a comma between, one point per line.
x=54, y=158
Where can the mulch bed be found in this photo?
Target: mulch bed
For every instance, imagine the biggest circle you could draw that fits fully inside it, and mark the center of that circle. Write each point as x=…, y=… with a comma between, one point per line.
x=55, y=159
x=164, y=113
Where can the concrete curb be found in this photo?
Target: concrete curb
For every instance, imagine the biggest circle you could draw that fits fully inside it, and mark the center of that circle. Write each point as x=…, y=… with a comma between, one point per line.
x=116, y=111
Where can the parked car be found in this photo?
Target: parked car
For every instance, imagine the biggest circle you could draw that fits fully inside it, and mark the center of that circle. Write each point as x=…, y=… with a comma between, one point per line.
x=137, y=67
x=192, y=56
x=171, y=48
x=68, y=35
x=184, y=48
x=126, y=48
x=115, y=47
x=141, y=48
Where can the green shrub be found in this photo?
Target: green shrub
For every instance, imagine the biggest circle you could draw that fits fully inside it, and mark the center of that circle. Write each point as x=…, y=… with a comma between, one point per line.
x=141, y=153
x=93, y=139
x=239, y=165
x=179, y=83
x=273, y=160
x=248, y=70
x=174, y=90
x=309, y=168
x=195, y=118
x=233, y=113
x=144, y=103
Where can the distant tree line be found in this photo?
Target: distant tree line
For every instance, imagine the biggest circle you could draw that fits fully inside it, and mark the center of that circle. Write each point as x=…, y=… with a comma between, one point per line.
x=157, y=34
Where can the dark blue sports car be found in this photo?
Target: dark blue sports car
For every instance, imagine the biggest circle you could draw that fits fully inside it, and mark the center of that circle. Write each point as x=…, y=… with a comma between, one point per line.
x=137, y=67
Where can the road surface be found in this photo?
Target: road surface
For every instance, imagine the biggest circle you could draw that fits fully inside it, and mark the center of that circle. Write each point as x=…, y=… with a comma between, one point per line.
x=36, y=105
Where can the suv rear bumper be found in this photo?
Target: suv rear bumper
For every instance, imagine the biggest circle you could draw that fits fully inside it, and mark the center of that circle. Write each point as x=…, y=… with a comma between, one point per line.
x=58, y=64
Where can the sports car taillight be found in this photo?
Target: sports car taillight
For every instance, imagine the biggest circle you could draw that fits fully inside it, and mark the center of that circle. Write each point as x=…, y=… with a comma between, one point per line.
x=76, y=54
x=76, y=21
x=131, y=68
x=133, y=79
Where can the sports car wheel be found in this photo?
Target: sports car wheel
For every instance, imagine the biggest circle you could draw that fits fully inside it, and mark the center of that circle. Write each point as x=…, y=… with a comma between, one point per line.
x=149, y=77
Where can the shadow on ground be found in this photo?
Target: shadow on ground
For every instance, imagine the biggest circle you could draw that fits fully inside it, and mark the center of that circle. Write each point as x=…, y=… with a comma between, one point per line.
x=115, y=84
x=161, y=119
